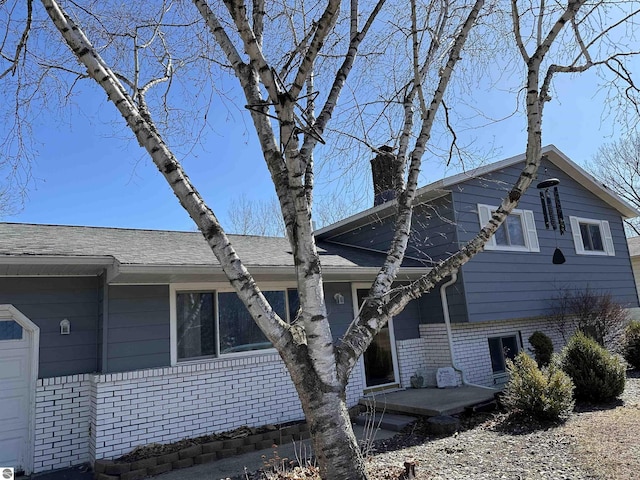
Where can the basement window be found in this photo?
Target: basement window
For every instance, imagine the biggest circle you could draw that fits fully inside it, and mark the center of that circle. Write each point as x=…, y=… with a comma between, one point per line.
x=501, y=349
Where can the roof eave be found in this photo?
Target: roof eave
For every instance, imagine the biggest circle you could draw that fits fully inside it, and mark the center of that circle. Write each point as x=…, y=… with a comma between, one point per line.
x=54, y=265
x=165, y=274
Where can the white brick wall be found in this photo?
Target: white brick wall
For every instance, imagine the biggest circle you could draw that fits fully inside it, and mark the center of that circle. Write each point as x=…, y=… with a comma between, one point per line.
x=62, y=434
x=85, y=417
x=412, y=356
x=471, y=346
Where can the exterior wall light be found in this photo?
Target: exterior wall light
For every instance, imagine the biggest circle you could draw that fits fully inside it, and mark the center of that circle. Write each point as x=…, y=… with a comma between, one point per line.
x=65, y=327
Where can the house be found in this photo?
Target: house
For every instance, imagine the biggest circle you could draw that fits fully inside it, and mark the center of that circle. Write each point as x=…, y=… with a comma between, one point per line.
x=634, y=252
x=113, y=338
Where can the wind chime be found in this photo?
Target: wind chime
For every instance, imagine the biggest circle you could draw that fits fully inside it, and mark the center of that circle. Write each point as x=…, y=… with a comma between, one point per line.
x=552, y=213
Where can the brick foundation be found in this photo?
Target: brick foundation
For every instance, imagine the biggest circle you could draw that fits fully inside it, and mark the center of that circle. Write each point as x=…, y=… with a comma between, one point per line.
x=471, y=346
x=82, y=418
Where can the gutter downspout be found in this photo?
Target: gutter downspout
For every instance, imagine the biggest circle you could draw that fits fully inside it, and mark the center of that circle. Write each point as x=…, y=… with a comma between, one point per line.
x=447, y=322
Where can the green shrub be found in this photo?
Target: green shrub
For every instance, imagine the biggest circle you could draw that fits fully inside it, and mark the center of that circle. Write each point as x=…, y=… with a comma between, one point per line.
x=631, y=349
x=597, y=375
x=545, y=394
x=542, y=348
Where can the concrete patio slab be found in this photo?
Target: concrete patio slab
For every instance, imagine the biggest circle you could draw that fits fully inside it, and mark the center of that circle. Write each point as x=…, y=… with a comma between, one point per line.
x=429, y=402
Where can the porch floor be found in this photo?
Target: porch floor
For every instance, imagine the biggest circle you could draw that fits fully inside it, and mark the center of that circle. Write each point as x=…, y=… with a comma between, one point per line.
x=429, y=402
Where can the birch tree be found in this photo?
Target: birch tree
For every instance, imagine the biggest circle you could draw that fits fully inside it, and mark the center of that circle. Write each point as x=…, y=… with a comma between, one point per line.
x=292, y=61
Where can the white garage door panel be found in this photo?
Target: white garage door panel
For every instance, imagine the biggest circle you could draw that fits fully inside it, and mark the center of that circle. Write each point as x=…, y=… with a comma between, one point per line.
x=14, y=412
x=13, y=368
x=11, y=451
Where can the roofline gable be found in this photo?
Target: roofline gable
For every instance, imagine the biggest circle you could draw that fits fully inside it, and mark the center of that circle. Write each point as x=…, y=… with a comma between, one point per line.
x=443, y=186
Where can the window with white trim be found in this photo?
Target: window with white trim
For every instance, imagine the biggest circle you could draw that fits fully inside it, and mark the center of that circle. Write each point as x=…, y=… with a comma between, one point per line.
x=210, y=323
x=517, y=233
x=592, y=237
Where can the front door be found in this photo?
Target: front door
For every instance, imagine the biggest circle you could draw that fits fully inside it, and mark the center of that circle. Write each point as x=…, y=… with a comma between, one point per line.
x=380, y=358
x=16, y=392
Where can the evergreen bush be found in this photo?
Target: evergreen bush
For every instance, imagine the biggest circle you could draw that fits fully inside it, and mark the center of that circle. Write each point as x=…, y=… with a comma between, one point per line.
x=542, y=348
x=598, y=375
x=545, y=394
x=631, y=349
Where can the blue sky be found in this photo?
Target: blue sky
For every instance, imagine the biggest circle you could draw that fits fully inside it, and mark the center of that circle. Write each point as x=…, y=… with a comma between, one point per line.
x=86, y=172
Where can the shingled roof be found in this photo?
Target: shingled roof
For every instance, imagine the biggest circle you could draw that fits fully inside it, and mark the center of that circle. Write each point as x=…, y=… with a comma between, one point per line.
x=131, y=247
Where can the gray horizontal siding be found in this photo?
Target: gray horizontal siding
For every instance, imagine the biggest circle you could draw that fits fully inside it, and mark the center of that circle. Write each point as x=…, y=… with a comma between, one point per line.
x=101, y=305
x=138, y=327
x=500, y=285
x=433, y=231
x=340, y=316
x=431, y=303
x=405, y=324
x=431, y=238
x=48, y=300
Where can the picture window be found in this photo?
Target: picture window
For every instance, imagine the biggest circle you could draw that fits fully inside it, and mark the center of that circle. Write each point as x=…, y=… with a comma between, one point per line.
x=213, y=323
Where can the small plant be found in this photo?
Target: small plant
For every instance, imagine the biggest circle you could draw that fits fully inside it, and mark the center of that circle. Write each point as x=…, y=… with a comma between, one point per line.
x=545, y=394
x=594, y=313
x=542, y=348
x=279, y=468
x=631, y=348
x=598, y=376
x=371, y=427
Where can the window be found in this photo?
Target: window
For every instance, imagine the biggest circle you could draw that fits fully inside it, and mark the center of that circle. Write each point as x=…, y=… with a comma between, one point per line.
x=517, y=233
x=501, y=348
x=196, y=324
x=10, y=330
x=209, y=323
x=238, y=331
x=591, y=237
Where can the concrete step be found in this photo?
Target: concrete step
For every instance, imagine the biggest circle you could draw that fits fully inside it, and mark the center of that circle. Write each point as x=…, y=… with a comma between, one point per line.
x=386, y=421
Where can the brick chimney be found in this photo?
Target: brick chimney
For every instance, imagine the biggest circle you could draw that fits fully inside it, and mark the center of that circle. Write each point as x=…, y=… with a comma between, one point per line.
x=383, y=168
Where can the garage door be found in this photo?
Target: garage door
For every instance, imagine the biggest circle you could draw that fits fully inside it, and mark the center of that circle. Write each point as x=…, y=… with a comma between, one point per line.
x=15, y=394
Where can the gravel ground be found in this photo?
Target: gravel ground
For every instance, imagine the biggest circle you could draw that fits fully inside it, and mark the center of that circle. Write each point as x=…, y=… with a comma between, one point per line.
x=596, y=443
x=600, y=443
x=486, y=451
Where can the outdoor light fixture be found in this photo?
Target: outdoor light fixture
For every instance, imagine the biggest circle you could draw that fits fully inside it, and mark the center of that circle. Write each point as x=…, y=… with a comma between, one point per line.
x=339, y=298
x=65, y=327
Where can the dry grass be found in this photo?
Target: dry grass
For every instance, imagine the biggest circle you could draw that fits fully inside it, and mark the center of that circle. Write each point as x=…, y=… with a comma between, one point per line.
x=606, y=441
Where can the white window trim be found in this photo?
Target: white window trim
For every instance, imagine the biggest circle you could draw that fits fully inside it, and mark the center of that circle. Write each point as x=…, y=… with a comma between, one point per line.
x=392, y=340
x=528, y=228
x=176, y=288
x=605, y=233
